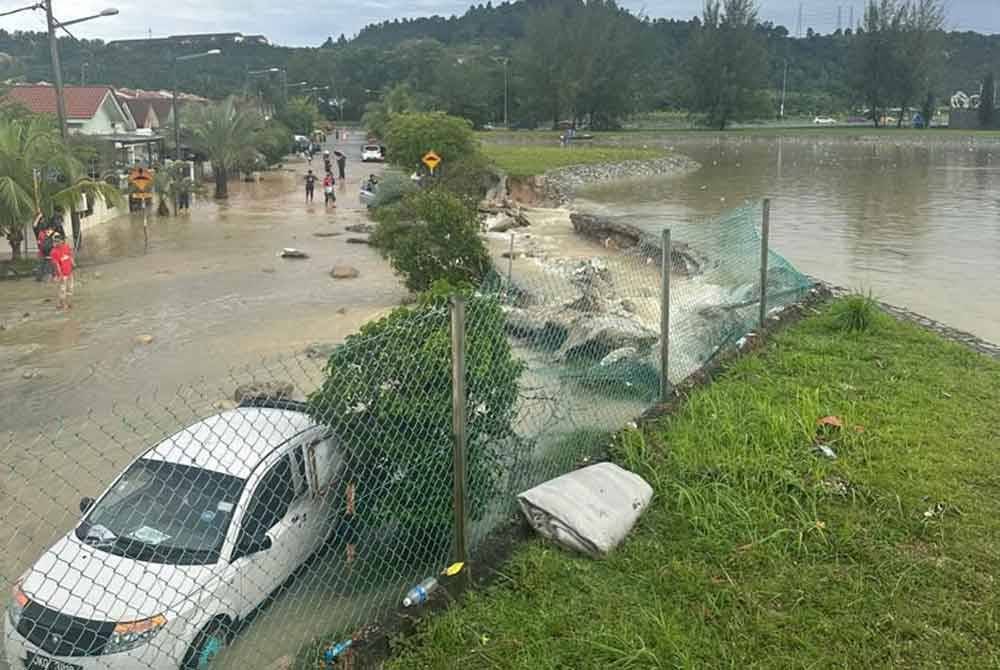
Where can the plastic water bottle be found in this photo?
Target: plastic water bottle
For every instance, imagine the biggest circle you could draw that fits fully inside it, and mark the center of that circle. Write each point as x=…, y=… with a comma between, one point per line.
x=332, y=653
x=418, y=594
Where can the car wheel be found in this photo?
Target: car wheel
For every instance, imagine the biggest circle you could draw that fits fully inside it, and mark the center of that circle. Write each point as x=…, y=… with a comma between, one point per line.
x=210, y=642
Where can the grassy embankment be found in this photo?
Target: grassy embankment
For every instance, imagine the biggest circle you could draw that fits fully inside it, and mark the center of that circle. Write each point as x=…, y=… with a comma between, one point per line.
x=759, y=551
x=530, y=160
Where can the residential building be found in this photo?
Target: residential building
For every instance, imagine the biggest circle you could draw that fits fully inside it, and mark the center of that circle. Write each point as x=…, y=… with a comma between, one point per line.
x=90, y=110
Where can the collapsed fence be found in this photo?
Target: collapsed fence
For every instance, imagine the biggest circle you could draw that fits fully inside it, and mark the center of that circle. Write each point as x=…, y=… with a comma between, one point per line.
x=347, y=474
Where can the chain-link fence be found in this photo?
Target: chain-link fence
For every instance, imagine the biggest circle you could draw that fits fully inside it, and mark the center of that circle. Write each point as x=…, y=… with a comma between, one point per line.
x=321, y=485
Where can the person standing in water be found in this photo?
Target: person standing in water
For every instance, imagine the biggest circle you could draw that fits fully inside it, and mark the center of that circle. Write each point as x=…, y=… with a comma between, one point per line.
x=328, y=194
x=310, y=186
x=341, y=164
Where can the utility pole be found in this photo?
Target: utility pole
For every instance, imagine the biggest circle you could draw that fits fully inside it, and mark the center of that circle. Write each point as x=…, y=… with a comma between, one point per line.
x=56, y=69
x=850, y=20
x=83, y=73
x=840, y=18
x=798, y=30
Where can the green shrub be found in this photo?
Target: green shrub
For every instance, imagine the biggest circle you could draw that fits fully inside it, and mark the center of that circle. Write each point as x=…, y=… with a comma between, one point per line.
x=429, y=236
x=857, y=313
x=410, y=136
x=391, y=188
x=388, y=394
x=468, y=178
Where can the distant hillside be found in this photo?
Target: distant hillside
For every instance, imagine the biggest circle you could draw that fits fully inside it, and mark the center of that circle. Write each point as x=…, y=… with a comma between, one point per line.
x=452, y=63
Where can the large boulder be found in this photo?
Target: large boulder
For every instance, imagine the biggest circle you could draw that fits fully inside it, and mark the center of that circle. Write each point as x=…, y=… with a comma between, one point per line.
x=344, y=272
x=594, y=336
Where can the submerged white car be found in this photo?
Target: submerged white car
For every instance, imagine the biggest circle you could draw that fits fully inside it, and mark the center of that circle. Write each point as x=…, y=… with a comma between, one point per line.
x=184, y=545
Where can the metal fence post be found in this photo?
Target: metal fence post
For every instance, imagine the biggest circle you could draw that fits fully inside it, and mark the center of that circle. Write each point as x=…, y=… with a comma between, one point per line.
x=765, y=231
x=510, y=263
x=460, y=441
x=665, y=317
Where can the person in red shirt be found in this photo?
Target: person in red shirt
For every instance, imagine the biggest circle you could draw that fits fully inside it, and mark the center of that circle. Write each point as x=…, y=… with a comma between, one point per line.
x=62, y=265
x=329, y=196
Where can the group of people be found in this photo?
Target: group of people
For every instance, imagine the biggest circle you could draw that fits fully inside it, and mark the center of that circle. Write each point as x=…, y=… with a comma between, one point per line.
x=329, y=182
x=55, y=255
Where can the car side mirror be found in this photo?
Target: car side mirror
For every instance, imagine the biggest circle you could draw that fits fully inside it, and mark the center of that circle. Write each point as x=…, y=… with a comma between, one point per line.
x=253, y=545
x=85, y=504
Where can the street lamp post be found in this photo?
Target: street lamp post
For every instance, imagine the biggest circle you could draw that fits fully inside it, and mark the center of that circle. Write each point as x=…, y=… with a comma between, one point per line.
x=52, y=25
x=176, y=109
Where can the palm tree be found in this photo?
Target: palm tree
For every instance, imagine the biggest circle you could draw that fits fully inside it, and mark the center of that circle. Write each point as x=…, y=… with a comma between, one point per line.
x=37, y=172
x=226, y=134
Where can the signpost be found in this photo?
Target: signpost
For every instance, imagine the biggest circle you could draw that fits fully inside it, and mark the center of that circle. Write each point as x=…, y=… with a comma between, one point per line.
x=431, y=160
x=142, y=179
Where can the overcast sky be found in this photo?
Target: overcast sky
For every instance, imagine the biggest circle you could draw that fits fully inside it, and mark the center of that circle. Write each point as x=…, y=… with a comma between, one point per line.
x=308, y=23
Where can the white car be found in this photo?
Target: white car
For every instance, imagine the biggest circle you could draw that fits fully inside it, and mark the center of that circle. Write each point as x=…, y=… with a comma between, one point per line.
x=824, y=121
x=186, y=543
x=372, y=152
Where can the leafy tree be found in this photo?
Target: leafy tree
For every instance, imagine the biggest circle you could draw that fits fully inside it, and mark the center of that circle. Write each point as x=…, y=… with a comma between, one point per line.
x=918, y=52
x=727, y=65
x=987, y=105
x=541, y=60
x=274, y=140
x=410, y=136
x=398, y=100
x=877, y=56
x=225, y=133
x=388, y=397
x=432, y=235
x=300, y=115
x=38, y=172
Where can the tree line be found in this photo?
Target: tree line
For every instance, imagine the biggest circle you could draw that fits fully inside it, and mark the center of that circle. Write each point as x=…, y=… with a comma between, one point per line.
x=571, y=60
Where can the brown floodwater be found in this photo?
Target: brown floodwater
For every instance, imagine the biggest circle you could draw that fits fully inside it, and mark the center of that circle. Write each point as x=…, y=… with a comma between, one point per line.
x=915, y=221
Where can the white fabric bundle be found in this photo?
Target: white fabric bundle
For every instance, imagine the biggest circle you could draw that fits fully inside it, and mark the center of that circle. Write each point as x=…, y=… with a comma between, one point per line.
x=590, y=510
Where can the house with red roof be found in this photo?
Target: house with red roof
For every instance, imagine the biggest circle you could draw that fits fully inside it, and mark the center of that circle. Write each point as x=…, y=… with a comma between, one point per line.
x=90, y=110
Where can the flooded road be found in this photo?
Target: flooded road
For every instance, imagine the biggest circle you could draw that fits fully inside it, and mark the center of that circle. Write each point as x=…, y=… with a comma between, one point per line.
x=916, y=221
x=82, y=393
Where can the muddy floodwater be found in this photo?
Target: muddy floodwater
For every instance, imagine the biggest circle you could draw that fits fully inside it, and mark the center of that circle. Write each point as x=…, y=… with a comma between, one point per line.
x=159, y=337
x=916, y=221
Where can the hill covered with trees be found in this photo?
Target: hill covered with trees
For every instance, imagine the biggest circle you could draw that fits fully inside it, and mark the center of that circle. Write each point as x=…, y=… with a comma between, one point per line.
x=564, y=59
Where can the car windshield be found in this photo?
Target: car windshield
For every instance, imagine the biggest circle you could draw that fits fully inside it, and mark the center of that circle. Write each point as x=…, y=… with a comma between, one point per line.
x=164, y=513
x=375, y=149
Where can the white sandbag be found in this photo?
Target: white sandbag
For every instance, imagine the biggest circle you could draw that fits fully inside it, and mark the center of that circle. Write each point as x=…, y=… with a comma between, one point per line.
x=589, y=510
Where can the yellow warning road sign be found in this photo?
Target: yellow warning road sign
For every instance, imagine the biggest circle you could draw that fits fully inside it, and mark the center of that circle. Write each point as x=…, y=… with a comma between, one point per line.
x=431, y=160
x=141, y=178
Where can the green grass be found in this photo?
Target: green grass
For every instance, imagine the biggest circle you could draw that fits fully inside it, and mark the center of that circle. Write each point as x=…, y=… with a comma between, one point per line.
x=526, y=161
x=759, y=552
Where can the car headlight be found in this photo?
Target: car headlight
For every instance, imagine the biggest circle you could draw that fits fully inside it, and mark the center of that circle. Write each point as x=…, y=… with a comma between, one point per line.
x=18, y=601
x=134, y=633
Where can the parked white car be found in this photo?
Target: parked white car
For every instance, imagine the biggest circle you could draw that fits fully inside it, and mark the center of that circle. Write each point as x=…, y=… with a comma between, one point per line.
x=372, y=152
x=186, y=543
x=824, y=121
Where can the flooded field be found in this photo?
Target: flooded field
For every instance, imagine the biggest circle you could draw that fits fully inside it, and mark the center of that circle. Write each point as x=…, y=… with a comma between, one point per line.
x=916, y=221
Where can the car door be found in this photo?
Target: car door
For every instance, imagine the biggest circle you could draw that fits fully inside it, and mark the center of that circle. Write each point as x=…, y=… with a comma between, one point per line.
x=306, y=513
x=315, y=464
x=324, y=464
x=269, y=512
